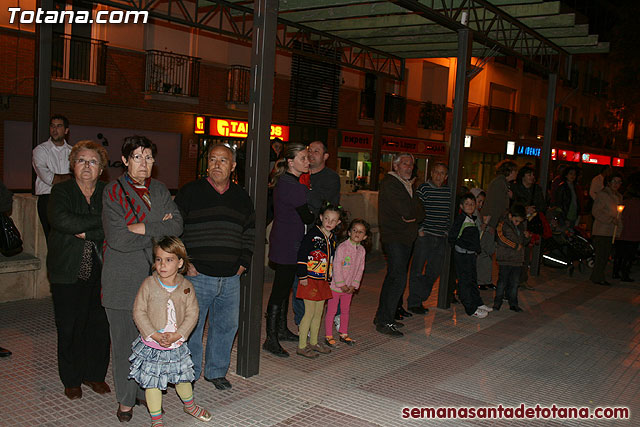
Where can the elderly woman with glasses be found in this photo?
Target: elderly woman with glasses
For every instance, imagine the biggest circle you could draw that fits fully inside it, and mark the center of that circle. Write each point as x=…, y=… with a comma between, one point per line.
x=137, y=209
x=73, y=261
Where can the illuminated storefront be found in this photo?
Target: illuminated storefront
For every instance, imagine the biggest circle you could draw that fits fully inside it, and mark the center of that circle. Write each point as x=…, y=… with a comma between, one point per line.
x=215, y=130
x=354, y=156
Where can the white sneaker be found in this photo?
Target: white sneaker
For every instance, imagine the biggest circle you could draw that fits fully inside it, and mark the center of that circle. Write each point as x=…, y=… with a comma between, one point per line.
x=336, y=321
x=480, y=314
x=486, y=308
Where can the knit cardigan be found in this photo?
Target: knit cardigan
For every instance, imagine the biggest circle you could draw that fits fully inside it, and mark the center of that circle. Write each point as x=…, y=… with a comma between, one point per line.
x=70, y=214
x=150, y=306
x=127, y=255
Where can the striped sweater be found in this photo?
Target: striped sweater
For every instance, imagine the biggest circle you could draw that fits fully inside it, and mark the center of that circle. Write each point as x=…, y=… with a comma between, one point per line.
x=436, y=202
x=219, y=228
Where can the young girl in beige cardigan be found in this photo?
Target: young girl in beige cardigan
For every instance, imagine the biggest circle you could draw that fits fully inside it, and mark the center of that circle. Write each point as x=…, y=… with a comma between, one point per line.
x=165, y=312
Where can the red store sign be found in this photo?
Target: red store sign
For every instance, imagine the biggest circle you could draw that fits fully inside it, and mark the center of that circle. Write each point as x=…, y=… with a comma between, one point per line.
x=596, y=159
x=364, y=141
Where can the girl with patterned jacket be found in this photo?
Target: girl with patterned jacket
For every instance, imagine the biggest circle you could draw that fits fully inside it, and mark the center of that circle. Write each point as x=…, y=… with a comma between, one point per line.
x=315, y=259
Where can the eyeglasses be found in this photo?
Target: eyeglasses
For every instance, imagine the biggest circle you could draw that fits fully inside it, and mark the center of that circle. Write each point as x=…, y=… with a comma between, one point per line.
x=138, y=158
x=93, y=163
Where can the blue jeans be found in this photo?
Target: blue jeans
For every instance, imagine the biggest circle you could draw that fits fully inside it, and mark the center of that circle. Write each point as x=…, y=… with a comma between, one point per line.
x=398, y=256
x=429, y=249
x=220, y=297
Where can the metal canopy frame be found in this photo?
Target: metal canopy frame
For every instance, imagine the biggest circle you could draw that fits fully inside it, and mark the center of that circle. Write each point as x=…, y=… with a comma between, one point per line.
x=377, y=36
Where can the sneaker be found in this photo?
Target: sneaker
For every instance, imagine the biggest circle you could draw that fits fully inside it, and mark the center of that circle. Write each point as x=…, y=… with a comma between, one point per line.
x=480, y=314
x=486, y=308
x=389, y=329
x=336, y=321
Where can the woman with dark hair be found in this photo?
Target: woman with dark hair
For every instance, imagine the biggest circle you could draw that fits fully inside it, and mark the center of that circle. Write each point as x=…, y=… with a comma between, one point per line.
x=136, y=209
x=626, y=246
x=73, y=261
x=291, y=213
x=606, y=220
x=566, y=196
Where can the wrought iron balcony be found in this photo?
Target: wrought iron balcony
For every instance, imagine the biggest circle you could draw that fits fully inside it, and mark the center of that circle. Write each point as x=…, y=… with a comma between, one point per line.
x=394, y=107
x=238, y=82
x=171, y=74
x=78, y=59
x=500, y=119
x=432, y=116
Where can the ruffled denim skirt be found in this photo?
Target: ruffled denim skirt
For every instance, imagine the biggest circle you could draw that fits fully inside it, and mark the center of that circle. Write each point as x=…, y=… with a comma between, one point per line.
x=153, y=368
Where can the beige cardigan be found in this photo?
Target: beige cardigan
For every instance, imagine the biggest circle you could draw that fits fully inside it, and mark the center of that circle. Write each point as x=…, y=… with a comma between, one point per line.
x=605, y=212
x=150, y=306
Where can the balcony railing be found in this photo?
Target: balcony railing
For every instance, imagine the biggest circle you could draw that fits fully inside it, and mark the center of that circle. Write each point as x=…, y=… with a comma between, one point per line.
x=432, y=116
x=78, y=59
x=171, y=73
x=500, y=119
x=238, y=82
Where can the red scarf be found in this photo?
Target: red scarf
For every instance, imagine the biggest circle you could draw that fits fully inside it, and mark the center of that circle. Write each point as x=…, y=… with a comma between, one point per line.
x=141, y=190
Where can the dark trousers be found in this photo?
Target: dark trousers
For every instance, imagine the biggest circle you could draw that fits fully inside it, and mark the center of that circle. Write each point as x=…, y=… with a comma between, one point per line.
x=467, y=281
x=282, y=283
x=43, y=201
x=83, y=333
x=508, y=278
x=398, y=256
x=602, y=246
x=625, y=254
x=123, y=333
x=524, y=271
x=427, y=249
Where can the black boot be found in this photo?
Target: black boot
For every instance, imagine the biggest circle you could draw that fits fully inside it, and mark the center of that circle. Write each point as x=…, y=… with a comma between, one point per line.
x=284, y=334
x=271, y=344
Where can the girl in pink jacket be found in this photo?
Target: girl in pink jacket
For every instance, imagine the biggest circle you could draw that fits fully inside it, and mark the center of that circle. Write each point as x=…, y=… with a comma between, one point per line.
x=348, y=266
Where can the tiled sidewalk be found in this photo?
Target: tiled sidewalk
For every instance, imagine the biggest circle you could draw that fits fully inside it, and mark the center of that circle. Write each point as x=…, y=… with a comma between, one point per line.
x=576, y=344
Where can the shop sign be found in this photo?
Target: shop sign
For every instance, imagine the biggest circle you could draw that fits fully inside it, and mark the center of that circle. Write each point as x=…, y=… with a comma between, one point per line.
x=364, y=141
x=525, y=150
x=596, y=159
x=199, y=127
x=566, y=155
x=617, y=162
x=239, y=129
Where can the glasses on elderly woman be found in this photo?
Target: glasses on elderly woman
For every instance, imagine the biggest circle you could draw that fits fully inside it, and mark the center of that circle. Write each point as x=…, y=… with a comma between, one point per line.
x=138, y=158
x=93, y=162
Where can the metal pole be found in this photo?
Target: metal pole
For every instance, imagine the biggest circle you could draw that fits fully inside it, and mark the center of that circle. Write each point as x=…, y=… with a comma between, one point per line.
x=42, y=82
x=263, y=57
x=545, y=157
x=376, y=149
x=465, y=40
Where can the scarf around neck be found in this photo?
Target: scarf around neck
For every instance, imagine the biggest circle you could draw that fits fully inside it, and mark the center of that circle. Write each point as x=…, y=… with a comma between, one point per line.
x=141, y=190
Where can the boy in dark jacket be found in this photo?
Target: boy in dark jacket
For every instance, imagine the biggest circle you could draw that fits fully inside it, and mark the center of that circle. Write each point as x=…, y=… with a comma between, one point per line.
x=510, y=240
x=464, y=236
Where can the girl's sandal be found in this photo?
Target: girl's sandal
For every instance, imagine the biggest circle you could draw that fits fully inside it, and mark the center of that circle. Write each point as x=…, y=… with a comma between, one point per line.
x=330, y=341
x=345, y=339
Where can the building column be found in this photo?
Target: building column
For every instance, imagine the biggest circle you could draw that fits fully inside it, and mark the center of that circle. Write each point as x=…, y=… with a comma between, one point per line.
x=42, y=81
x=376, y=149
x=459, y=126
x=545, y=157
x=263, y=58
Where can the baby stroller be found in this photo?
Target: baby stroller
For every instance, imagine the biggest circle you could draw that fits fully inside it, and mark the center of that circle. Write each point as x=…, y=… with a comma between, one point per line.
x=567, y=245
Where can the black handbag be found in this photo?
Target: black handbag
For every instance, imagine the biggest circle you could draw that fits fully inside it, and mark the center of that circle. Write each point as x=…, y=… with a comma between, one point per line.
x=10, y=240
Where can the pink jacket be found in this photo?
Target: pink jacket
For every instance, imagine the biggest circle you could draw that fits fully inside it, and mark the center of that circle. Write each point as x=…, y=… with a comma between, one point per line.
x=348, y=265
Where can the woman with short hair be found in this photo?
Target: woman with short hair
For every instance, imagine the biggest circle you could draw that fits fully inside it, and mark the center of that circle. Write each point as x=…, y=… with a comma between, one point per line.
x=75, y=266
x=137, y=209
